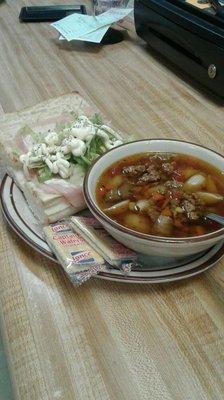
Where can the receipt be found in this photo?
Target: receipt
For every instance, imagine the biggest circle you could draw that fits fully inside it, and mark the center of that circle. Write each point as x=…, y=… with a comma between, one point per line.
x=94, y=37
x=87, y=27
x=75, y=25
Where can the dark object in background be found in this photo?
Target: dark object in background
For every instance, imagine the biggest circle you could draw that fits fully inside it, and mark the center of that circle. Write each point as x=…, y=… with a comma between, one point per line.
x=190, y=38
x=112, y=36
x=219, y=9
x=49, y=13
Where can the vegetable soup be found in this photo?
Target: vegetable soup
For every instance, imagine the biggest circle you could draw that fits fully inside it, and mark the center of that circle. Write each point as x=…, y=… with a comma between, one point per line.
x=162, y=194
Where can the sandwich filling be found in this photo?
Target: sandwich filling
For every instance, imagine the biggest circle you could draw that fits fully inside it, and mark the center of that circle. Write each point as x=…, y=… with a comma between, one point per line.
x=57, y=152
x=52, y=163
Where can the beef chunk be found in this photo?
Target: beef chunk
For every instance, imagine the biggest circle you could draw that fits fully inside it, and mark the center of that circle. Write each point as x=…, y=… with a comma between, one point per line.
x=173, y=184
x=193, y=216
x=188, y=206
x=134, y=170
x=148, y=177
x=145, y=173
x=192, y=210
x=168, y=167
x=151, y=175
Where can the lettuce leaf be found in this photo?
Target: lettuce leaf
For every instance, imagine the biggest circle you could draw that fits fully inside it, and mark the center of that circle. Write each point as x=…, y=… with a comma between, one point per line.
x=96, y=119
x=82, y=161
x=44, y=174
x=96, y=147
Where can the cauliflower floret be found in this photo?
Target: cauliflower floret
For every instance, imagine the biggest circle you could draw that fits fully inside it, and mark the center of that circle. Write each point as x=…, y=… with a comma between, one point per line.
x=65, y=147
x=83, y=128
x=83, y=132
x=59, y=166
x=78, y=147
x=52, y=138
x=44, y=149
x=36, y=150
x=64, y=169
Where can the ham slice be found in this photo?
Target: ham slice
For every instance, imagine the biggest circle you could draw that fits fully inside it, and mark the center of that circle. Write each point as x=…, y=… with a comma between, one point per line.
x=72, y=193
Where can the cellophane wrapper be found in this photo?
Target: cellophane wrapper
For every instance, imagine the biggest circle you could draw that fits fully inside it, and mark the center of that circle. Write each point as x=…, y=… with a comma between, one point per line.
x=78, y=259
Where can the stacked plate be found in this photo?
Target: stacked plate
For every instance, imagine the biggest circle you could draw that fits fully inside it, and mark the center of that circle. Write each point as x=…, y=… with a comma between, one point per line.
x=153, y=269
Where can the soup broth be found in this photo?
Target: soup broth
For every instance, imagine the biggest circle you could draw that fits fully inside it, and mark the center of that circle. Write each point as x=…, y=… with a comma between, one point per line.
x=162, y=194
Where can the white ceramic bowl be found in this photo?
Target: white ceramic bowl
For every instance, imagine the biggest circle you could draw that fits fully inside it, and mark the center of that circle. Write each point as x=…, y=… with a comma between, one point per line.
x=144, y=243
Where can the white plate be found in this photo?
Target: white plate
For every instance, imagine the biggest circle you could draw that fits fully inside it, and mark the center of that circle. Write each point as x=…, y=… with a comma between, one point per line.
x=153, y=270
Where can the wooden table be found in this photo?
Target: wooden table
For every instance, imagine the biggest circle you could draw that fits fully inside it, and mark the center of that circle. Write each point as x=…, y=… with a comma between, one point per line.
x=106, y=340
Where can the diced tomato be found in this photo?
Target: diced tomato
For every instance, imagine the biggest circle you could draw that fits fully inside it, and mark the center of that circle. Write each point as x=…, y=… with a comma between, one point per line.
x=199, y=230
x=115, y=171
x=178, y=175
x=108, y=186
x=144, y=191
x=137, y=196
x=166, y=202
x=175, y=194
x=158, y=197
x=101, y=191
x=178, y=223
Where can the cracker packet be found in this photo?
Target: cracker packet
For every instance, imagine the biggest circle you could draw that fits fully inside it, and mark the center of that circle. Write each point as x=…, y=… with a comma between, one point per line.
x=113, y=252
x=78, y=259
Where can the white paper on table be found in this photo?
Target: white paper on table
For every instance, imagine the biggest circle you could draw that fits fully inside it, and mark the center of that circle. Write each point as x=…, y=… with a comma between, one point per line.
x=94, y=37
x=75, y=25
x=85, y=27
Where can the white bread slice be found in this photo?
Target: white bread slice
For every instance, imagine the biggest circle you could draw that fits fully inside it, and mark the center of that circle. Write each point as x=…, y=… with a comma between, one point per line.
x=46, y=207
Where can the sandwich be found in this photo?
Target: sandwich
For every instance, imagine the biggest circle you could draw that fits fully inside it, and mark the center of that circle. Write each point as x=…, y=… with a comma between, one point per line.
x=47, y=150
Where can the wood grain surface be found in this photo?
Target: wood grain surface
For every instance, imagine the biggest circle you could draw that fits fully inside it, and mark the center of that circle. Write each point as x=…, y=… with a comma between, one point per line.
x=104, y=340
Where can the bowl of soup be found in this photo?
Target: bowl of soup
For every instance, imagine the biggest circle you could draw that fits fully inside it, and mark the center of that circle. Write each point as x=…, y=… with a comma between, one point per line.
x=153, y=196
